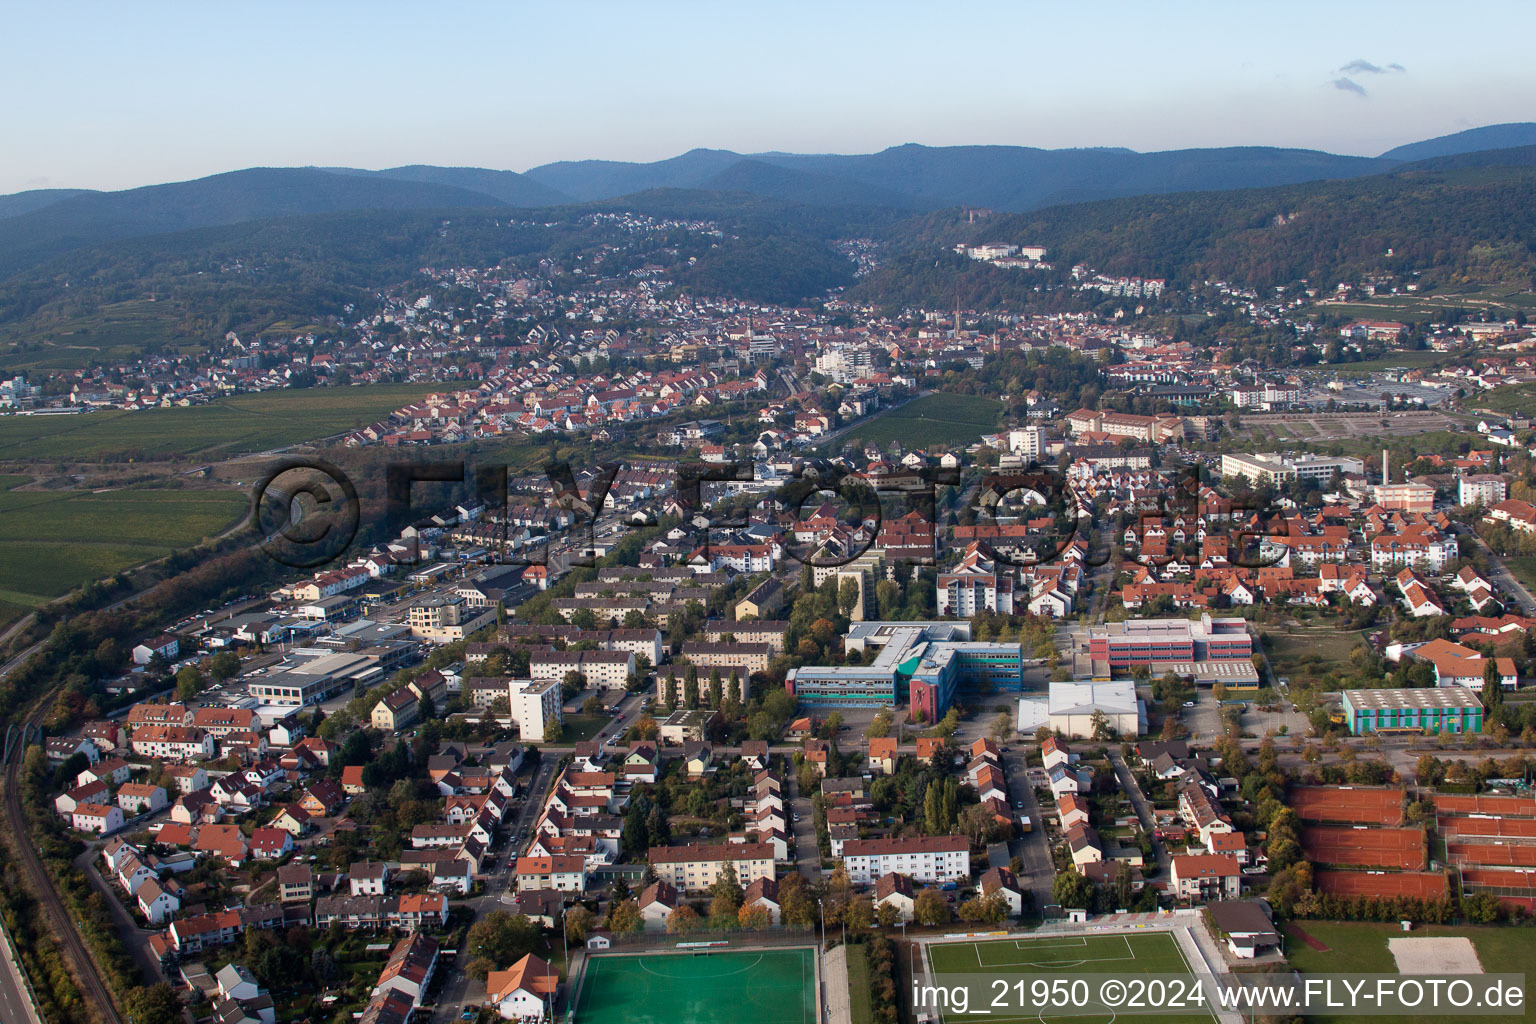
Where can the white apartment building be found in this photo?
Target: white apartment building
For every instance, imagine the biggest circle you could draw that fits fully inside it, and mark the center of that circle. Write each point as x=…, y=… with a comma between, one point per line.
x=695, y=867
x=533, y=704
x=922, y=859
x=1484, y=488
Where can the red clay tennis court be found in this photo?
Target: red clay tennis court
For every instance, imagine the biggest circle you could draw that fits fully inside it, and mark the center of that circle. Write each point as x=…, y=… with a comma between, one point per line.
x=1492, y=854
x=1513, y=888
x=1348, y=805
x=1457, y=803
x=1497, y=828
x=1428, y=885
x=1493, y=878
x=1365, y=847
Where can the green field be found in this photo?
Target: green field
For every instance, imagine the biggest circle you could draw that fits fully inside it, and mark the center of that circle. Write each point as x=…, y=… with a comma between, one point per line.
x=229, y=426
x=53, y=541
x=580, y=728
x=1319, y=649
x=1391, y=361
x=1359, y=948
x=771, y=986
x=116, y=330
x=1524, y=569
x=859, y=1009
x=932, y=420
x=1517, y=398
x=1060, y=956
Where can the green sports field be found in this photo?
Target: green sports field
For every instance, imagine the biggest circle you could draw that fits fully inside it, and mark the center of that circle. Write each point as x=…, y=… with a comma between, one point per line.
x=1059, y=956
x=771, y=986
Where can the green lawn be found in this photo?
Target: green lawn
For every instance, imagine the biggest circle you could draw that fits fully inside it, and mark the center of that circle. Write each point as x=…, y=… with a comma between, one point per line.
x=1058, y=956
x=1318, y=649
x=53, y=541
x=1359, y=948
x=859, y=1009
x=580, y=728
x=228, y=426
x=938, y=420
x=1524, y=569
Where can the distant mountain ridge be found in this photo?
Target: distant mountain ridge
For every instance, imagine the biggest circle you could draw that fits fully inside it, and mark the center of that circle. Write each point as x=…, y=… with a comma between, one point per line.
x=1493, y=136
x=38, y=225
x=1010, y=178
x=260, y=193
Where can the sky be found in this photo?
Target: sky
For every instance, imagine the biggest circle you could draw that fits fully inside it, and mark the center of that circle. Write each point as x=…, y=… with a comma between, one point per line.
x=114, y=96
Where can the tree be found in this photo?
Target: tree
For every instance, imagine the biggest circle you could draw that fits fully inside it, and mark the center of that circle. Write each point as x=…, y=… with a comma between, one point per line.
x=847, y=595
x=931, y=908
x=714, y=688
x=578, y=923
x=683, y=920
x=795, y=906
x=991, y=909
x=1493, y=686
x=501, y=938
x=224, y=666
x=753, y=917
x=691, y=687
x=156, y=1004
x=726, y=895
x=553, y=731
x=1219, y=692
x=624, y=917
x=1002, y=726
x=887, y=916
x=1070, y=889
x=189, y=683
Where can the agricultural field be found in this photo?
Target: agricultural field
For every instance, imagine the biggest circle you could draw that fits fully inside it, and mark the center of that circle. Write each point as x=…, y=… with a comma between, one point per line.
x=932, y=420
x=119, y=330
x=235, y=425
x=54, y=541
x=1517, y=398
x=1361, y=948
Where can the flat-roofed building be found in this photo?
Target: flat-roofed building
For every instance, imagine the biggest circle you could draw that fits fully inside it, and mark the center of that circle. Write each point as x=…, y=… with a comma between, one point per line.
x=1427, y=709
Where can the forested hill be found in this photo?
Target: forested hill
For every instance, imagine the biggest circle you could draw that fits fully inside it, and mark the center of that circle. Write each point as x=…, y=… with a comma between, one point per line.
x=1476, y=225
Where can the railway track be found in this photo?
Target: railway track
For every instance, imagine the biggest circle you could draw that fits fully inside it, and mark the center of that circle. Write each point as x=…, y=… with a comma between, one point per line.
x=93, y=989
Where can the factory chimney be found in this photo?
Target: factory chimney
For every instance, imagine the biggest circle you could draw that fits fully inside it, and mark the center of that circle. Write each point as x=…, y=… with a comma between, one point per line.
x=1386, y=467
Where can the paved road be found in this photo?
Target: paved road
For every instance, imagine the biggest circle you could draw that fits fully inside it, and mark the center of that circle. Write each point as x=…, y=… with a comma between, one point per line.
x=136, y=939
x=807, y=854
x=1132, y=789
x=1033, y=849
x=15, y=1001
x=459, y=992
x=1501, y=576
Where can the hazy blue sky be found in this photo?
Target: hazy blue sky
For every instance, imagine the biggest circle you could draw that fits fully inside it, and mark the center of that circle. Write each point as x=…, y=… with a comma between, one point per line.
x=106, y=95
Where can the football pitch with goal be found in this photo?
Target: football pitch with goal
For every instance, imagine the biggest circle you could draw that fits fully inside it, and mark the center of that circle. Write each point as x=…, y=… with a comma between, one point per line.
x=1122, y=956
x=770, y=986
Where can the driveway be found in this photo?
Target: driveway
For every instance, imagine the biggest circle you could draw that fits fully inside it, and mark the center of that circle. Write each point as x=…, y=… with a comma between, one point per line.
x=1033, y=848
x=1142, y=806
